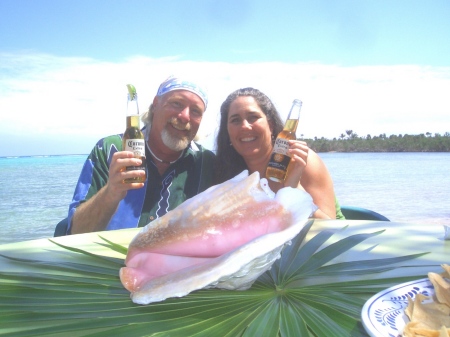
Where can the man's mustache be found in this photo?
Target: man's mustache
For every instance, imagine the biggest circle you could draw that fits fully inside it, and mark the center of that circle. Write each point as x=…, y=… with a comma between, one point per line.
x=179, y=125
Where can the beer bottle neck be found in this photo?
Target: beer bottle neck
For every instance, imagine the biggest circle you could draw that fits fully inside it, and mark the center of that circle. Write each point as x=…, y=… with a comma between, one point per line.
x=132, y=106
x=291, y=125
x=293, y=116
x=294, y=113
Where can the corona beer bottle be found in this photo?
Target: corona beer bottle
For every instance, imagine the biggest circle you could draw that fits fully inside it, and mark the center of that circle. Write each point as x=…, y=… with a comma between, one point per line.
x=280, y=158
x=133, y=138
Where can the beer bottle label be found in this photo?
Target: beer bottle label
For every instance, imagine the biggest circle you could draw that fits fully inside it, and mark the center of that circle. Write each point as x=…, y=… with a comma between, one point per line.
x=279, y=161
x=281, y=146
x=137, y=146
x=280, y=157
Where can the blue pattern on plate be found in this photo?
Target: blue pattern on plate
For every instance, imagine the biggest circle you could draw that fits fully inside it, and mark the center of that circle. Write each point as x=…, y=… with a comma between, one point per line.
x=384, y=313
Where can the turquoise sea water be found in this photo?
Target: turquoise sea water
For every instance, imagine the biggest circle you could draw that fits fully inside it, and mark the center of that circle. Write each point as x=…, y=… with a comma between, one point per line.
x=405, y=187
x=35, y=192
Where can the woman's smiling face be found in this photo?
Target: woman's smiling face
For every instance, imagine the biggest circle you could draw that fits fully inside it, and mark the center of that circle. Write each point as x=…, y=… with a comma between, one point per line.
x=248, y=128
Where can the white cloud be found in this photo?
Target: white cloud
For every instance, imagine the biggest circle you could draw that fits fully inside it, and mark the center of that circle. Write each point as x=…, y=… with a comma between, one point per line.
x=80, y=98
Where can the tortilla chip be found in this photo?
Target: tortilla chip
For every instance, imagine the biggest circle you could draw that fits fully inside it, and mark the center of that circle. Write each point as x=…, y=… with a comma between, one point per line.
x=441, y=288
x=446, y=272
x=410, y=308
x=430, y=318
x=417, y=329
x=433, y=315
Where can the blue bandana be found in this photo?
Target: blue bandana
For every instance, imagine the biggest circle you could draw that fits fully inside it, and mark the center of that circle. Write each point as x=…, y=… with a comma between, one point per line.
x=174, y=83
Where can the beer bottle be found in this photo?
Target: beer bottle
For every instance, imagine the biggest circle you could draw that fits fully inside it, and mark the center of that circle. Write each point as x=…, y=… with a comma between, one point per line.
x=280, y=158
x=133, y=138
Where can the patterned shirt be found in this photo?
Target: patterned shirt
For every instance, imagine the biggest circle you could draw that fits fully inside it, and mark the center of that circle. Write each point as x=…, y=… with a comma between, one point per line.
x=188, y=176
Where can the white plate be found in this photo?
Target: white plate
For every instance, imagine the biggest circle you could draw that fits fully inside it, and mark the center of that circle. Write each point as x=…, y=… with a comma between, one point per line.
x=383, y=315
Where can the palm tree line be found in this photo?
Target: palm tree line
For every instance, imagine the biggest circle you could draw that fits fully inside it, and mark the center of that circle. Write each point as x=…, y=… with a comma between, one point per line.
x=350, y=141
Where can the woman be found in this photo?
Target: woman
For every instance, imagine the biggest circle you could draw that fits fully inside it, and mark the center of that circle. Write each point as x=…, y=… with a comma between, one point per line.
x=249, y=125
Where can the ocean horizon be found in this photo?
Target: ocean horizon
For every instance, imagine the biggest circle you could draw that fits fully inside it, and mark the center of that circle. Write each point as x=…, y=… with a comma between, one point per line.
x=405, y=187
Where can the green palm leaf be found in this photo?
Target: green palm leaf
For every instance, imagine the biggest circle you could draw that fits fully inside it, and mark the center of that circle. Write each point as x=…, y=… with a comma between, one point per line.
x=308, y=292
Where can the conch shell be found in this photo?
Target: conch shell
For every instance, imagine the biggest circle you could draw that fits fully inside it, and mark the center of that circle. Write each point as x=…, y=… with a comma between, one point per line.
x=225, y=237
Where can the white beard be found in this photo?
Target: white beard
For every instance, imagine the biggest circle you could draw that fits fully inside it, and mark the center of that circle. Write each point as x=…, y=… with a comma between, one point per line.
x=174, y=143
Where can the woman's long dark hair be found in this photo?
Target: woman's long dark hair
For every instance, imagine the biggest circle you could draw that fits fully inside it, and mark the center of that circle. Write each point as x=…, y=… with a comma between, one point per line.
x=228, y=162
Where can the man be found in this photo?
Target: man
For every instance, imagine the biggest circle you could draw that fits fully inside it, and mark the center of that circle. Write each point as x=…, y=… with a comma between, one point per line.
x=177, y=167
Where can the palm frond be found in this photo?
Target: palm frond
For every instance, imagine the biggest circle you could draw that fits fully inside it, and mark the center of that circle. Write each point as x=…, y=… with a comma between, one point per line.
x=308, y=292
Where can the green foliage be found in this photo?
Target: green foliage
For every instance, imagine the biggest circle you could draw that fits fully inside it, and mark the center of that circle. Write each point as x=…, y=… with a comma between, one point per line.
x=305, y=293
x=382, y=143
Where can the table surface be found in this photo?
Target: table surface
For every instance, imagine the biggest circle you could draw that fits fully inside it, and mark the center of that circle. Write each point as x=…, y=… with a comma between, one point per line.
x=398, y=239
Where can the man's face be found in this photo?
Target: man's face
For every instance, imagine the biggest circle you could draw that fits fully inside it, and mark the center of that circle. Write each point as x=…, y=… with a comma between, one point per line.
x=177, y=117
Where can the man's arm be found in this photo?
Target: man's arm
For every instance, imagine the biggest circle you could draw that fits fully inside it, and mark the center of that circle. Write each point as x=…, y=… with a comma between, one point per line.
x=95, y=214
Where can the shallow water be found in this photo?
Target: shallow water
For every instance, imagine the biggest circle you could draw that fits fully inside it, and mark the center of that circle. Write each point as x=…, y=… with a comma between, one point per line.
x=35, y=192
x=405, y=187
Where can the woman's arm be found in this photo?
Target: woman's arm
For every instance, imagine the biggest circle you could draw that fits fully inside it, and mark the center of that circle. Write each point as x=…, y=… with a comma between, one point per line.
x=308, y=168
x=317, y=181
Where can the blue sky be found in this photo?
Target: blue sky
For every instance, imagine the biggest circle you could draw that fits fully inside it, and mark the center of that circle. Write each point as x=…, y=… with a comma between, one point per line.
x=369, y=66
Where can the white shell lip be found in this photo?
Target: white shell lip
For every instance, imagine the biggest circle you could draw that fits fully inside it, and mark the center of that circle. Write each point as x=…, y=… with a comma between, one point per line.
x=239, y=268
x=266, y=188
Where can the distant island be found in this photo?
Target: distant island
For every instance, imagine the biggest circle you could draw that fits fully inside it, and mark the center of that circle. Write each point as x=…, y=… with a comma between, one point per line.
x=351, y=142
